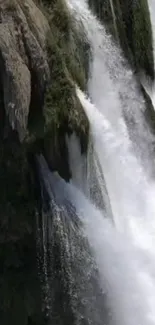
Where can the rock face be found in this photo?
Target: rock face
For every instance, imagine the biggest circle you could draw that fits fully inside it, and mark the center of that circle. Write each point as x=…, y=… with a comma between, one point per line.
x=23, y=30
x=42, y=56
x=38, y=105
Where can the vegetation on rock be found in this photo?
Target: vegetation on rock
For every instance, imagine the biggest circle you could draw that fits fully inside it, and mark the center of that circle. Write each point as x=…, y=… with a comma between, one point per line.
x=68, y=62
x=41, y=56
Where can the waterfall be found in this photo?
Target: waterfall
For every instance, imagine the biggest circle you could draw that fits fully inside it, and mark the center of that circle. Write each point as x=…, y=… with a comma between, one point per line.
x=118, y=163
x=87, y=174
x=75, y=295
x=102, y=223
x=112, y=84
x=126, y=269
x=128, y=283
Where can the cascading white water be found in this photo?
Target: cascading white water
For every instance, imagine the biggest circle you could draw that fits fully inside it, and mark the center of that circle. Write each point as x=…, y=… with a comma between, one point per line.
x=74, y=275
x=119, y=166
x=112, y=84
x=127, y=283
x=125, y=278
x=113, y=89
x=125, y=251
x=87, y=174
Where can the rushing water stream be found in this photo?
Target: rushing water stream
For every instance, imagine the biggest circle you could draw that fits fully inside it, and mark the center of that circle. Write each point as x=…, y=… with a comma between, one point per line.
x=105, y=217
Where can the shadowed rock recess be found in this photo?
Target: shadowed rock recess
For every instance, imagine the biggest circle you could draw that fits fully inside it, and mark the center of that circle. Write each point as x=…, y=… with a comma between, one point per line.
x=42, y=55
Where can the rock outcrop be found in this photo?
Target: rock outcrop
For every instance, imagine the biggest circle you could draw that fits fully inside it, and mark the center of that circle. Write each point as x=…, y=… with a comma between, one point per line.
x=23, y=62
x=41, y=56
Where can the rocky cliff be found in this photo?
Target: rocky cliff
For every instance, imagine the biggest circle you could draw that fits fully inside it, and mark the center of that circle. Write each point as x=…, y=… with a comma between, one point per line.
x=42, y=55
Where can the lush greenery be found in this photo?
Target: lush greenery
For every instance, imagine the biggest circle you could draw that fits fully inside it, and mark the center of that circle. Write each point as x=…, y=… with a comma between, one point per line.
x=68, y=57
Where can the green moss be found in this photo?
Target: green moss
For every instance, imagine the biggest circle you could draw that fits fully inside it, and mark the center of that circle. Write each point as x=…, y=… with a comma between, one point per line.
x=68, y=61
x=68, y=54
x=61, y=103
x=63, y=112
x=70, y=40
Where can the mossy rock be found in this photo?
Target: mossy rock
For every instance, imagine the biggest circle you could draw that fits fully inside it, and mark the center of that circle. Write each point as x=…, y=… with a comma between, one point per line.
x=54, y=113
x=68, y=59
x=63, y=113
